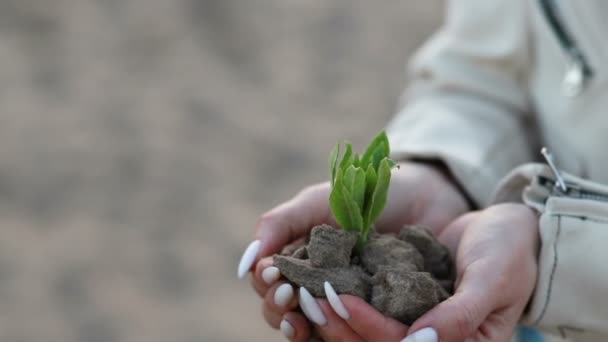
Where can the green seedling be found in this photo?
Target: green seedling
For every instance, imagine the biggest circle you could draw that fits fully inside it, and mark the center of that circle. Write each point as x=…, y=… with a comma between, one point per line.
x=360, y=185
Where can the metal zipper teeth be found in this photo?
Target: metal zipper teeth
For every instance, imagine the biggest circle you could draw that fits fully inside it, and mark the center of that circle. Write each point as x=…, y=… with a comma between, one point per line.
x=564, y=37
x=574, y=191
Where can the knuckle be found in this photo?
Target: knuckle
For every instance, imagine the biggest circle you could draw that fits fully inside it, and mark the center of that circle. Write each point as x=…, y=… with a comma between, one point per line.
x=313, y=189
x=271, y=317
x=268, y=219
x=384, y=332
x=466, y=322
x=258, y=287
x=306, y=190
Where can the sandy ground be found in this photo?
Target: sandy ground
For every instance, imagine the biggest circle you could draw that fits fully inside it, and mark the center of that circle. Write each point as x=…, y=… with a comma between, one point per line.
x=140, y=140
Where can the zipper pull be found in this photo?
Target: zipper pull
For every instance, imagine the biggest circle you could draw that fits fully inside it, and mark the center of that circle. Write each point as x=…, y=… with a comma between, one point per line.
x=559, y=180
x=575, y=77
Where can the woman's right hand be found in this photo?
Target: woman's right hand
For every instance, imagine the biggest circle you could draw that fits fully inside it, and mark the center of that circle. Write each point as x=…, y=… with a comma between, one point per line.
x=418, y=194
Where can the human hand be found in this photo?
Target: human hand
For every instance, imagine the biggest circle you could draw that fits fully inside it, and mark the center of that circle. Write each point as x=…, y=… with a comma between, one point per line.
x=343, y=318
x=419, y=193
x=496, y=260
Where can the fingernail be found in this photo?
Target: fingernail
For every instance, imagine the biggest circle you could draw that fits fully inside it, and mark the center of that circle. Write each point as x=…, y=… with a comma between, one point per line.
x=248, y=258
x=335, y=302
x=271, y=274
x=423, y=335
x=287, y=329
x=283, y=295
x=311, y=308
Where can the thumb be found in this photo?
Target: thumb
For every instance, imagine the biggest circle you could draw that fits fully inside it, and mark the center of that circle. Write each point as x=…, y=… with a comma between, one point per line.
x=287, y=223
x=459, y=317
x=293, y=219
x=368, y=323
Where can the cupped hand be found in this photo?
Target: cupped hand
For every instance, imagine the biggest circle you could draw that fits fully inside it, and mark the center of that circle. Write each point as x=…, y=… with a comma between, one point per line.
x=419, y=193
x=496, y=260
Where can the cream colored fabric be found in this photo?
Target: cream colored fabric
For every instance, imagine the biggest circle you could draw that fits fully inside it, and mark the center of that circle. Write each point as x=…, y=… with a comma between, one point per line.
x=485, y=94
x=570, y=296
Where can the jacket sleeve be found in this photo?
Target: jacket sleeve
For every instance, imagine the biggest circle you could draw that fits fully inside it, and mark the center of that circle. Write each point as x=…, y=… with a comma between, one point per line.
x=571, y=294
x=467, y=105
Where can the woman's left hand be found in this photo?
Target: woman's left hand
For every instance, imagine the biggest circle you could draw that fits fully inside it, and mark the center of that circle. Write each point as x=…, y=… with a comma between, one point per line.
x=496, y=258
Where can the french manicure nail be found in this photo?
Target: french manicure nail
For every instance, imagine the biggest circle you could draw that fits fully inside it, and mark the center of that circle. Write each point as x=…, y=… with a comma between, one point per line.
x=270, y=274
x=311, y=308
x=287, y=329
x=335, y=302
x=248, y=258
x=423, y=335
x=283, y=295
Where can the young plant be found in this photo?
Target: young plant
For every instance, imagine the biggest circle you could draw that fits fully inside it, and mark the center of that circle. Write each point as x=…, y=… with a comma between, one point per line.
x=360, y=185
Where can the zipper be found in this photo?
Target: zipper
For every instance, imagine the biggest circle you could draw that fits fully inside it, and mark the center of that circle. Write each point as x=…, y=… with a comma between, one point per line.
x=559, y=187
x=573, y=191
x=578, y=71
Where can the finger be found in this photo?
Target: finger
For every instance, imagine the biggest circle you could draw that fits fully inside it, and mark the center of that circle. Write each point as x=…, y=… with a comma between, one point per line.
x=336, y=329
x=499, y=326
x=370, y=324
x=264, y=276
x=366, y=321
x=279, y=299
x=271, y=317
x=451, y=235
x=460, y=316
x=295, y=327
x=287, y=222
x=293, y=219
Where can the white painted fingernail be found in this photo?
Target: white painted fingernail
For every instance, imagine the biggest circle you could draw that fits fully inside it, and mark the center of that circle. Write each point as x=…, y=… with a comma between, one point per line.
x=248, y=258
x=423, y=335
x=287, y=329
x=271, y=274
x=311, y=308
x=283, y=295
x=335, y=301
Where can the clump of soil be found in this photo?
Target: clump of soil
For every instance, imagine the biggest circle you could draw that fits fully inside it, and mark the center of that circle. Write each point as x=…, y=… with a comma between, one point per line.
x=402, y=276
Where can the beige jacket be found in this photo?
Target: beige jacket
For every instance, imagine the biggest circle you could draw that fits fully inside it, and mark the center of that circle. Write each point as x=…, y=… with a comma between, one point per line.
x=500, y=79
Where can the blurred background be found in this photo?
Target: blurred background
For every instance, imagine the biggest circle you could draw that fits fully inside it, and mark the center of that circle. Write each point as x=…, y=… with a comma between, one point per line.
x=141, y=139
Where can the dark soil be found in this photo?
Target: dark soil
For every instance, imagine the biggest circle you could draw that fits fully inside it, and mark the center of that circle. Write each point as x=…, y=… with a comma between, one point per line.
x=402, y=276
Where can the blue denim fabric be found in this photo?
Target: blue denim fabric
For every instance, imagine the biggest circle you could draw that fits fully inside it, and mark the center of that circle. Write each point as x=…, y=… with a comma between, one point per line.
x=527, y=334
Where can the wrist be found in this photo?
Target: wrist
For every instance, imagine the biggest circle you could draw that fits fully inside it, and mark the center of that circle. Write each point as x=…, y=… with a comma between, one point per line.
x=440, y=169
x=439, y=200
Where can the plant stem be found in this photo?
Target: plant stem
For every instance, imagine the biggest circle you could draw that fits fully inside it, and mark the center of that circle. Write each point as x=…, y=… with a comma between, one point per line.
x=361, y=243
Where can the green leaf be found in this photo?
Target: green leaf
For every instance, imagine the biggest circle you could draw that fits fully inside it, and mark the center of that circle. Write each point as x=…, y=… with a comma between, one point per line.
x=379, y=143
x=346, y=211
x=358, y=188
x=346, y=158
x=392, y=164
x=380, y=153
x=353, y=212
x=349, y=178
x=356, y=160
x=337, y=202
x=377, y=202
x=370, y=182
x=354, y=182
x=333, y=159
